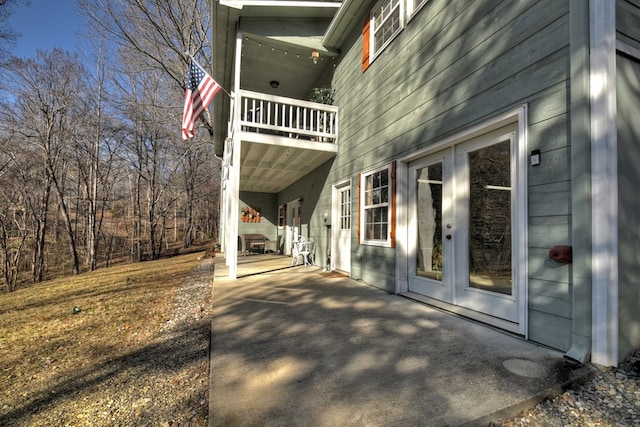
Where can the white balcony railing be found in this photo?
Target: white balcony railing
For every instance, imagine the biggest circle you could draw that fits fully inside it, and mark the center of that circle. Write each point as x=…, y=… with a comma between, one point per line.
x=291, y=118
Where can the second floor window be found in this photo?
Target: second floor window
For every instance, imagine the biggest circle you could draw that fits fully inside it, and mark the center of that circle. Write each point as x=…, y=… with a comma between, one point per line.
x=414, y=5
x=386, y=22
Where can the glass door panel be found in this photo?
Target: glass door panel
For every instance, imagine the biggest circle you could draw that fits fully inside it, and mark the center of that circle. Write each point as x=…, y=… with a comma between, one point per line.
x=490, y=218
x=460, y=221
x=429, y=217
x=484, y=267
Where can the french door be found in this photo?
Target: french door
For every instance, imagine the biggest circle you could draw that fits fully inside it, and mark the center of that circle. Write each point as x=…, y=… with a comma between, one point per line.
x=461, y=216
x=341, y=234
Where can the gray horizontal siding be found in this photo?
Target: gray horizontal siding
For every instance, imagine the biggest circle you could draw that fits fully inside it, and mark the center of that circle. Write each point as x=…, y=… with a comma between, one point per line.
x=374, y=265
x=421, y=97
x=549, y=329
x=266, y=203
x=455, y=64
x=628, y=98
x=627, y=22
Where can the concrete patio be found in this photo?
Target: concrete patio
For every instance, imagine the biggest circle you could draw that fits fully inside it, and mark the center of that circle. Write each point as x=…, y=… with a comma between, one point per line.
x=297, y=346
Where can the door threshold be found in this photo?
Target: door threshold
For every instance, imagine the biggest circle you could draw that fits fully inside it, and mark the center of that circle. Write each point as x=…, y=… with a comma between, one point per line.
x=475, y=316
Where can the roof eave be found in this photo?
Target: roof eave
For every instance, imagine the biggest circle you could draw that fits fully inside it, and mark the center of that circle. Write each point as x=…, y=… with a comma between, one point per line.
x=352, y=13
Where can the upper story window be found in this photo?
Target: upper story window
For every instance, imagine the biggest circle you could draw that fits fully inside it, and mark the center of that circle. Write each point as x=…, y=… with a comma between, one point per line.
x=386, y=21
x=414, y=5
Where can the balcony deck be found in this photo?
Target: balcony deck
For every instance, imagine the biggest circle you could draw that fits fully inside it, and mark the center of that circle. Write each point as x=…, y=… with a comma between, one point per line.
x=291, y=118
x=282, y=139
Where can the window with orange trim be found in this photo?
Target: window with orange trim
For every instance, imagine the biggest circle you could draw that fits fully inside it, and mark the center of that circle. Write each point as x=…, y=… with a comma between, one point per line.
x=385, y=22
x=377, y=190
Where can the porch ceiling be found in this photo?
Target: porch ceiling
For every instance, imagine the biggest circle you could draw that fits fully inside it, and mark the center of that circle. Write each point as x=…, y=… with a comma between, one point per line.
x=267, y=59
x=272, y=167
x=279, y=37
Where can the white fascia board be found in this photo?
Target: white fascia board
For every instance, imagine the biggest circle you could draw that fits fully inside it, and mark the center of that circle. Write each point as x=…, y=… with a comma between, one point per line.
x=351, y=12
x=239, y=4
x=287, y=32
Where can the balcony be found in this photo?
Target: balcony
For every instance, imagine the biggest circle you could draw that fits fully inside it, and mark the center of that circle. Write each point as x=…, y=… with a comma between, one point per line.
x=286, y=117
x=283, y=139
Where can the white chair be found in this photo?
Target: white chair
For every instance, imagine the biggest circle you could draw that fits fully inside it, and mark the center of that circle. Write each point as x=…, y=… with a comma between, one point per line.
x=299, y=246
x=308, y=252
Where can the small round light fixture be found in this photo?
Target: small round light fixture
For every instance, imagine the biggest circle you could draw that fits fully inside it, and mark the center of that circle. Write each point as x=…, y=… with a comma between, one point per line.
x=274, y=84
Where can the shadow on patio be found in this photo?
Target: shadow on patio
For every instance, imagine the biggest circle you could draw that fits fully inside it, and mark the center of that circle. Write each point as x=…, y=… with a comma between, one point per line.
x=298, y=347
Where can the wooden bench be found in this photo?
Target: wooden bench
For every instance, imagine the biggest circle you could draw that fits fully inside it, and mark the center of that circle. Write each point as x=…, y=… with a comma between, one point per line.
x=253, y=243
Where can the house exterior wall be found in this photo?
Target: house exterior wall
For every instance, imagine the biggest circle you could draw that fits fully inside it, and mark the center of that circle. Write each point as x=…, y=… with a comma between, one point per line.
x=314, y=189
x=628, y=102
x=455, y=64
x=627, y=15
x=267, y=204
x=458, y=64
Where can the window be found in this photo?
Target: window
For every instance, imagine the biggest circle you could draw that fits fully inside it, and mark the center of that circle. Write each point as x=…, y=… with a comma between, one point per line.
x=377, y=206
x=345, y=209
x=414, y=6
x=282, y=212
x=386, y=20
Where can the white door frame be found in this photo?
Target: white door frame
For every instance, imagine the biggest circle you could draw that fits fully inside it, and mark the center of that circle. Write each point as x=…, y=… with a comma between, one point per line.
x=519, y=227
x=336, y=226
x=292, y=225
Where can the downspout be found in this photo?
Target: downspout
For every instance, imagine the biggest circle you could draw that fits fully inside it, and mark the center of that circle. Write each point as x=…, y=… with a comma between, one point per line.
x=580, y=140
x=604, y=181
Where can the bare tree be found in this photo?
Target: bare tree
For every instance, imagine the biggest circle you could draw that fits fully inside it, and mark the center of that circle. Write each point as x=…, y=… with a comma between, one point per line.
x=68, y=144
x=47, y=90
x=151, y=154
x=161, y=35
x=94, y=154
x=8, y=34
x=198, y=169
x=13, y=232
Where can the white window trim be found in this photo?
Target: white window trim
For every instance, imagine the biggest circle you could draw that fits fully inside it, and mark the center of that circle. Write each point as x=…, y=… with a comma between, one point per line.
x=282, y=209
x=363, y=208
x=412, y=9
x=374, y=50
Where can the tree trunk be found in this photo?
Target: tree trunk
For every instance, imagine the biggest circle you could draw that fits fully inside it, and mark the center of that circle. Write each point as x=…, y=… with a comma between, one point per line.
x=38, y=264
x=188, y=232
x=73, y=252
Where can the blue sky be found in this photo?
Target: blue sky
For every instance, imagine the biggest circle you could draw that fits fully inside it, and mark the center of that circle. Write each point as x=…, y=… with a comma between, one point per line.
x=46, y=24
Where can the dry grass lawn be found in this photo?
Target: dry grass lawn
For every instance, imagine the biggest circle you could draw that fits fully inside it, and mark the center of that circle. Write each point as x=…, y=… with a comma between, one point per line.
x=44, y=342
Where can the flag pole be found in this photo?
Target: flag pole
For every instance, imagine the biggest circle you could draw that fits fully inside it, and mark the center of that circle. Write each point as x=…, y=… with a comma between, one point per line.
x=198, y=64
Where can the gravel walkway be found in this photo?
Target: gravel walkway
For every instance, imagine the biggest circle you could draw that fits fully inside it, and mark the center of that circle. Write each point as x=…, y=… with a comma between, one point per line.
x=612, y=398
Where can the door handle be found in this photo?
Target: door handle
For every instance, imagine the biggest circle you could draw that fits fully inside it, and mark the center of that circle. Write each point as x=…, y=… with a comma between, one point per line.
x=448, y=236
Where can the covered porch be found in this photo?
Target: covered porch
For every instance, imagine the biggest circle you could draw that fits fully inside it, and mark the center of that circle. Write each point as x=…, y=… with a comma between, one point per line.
x=270, y=132
x=260, y=264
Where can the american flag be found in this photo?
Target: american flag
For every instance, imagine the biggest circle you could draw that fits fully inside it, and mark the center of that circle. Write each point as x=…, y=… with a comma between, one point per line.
x=200, y=90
